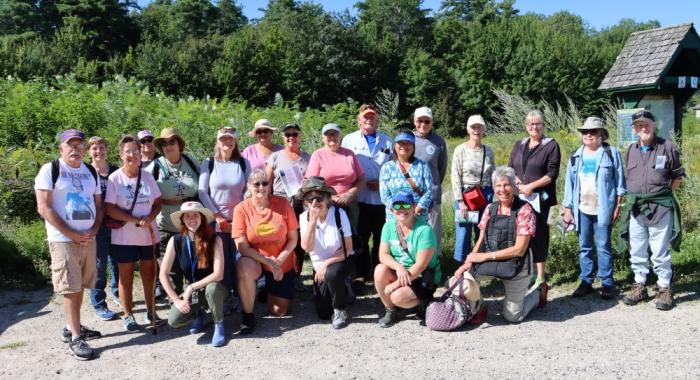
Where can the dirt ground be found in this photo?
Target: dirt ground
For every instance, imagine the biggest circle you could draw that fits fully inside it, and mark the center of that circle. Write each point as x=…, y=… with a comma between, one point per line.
x=573, y=338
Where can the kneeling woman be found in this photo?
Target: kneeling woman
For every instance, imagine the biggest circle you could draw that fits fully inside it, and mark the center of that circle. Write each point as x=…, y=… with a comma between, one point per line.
x=507, y=227
x=322, y=228
x=198, y=252
x=409, y=268
x=265, y=230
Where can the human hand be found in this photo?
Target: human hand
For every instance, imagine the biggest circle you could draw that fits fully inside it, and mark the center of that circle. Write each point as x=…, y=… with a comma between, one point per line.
x=420, y=210
x=403, y=277
x=525, y=189
x=373, y=185
x=568, y=217
x=224, y=225
x=463, y=209
x=320, y=274
x=616, y=214
x=183, y=305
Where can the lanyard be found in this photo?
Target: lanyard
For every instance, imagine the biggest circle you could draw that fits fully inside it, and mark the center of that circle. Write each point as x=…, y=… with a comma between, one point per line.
x=193, y=259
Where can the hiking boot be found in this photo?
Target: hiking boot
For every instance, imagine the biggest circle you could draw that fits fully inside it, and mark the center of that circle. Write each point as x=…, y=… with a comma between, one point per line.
x=148, y=321
x=664, y=299
x=544, y=290
x=608, y=292
x=636, y=294
x=480, y=316
x=80, y=350
x=340, y=318
x=198, y=322
x=159, y=292
x=219, y=337
x=388, y=320
x=583, y=289
x=130, y=323
x=247, y=324
x=85, y=333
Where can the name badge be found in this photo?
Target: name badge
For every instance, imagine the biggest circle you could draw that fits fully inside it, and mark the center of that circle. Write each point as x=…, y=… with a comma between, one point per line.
x=660, y=163
x=195, y=297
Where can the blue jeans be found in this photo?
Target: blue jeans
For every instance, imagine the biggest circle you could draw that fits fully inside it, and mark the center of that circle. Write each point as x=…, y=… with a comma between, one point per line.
x=230, y=252
x=590, y=233
x=463, y=231
x=97, y=295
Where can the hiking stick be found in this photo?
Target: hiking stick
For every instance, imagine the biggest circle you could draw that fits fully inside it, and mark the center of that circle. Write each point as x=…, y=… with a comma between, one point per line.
x=152, y=306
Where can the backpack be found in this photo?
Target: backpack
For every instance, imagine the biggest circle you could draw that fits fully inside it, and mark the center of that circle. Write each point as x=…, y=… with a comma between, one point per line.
x=56, y=170
x=156, y=166
x=606, y=149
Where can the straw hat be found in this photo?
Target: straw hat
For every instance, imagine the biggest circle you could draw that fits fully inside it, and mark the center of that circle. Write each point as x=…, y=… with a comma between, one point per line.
x=191, y=207
x=166, y=134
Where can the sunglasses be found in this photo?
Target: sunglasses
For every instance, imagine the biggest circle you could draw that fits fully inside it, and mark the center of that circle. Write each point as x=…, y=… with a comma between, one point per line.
x=425, y=121
x=589, y=132
x=291, y=134
x=260, y=184
x=147, y=140
x=263, y=131
x=170, y=142
x=313, y=198
x=401, y=205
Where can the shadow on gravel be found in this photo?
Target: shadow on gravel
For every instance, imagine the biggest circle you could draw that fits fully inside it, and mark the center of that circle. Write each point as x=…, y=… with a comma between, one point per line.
x=18, y=305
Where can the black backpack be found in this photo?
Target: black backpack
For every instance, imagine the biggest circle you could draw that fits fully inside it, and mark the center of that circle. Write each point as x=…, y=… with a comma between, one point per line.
x=56, y=171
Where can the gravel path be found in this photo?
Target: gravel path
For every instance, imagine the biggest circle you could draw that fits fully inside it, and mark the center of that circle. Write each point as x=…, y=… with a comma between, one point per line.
x=568, y=338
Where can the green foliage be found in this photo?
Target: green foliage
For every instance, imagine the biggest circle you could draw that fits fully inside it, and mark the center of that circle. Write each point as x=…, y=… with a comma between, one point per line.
x=25, y=259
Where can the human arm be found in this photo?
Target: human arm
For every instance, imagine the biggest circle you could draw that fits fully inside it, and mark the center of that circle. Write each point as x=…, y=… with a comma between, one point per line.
x=456, y=174
x=425, y=181
x=182, y=304
x=442, y=161
x=570, y=179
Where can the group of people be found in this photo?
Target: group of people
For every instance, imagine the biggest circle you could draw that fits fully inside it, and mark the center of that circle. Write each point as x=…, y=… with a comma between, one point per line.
x=365, y=208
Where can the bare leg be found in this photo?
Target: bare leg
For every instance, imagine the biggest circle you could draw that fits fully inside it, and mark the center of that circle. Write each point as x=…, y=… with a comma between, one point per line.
x=71, y=308
x=384, y=276
x=148, y=271
x=247, y=271
x=404, y=298
x=126, y=285
x=540, y=271
x=278, y=306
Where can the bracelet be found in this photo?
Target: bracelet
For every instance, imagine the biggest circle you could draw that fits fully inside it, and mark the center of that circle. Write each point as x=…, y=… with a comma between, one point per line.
x=493, y=256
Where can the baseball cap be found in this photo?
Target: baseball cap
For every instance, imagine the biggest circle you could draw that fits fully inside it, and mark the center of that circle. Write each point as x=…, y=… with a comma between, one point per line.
x=72, y=134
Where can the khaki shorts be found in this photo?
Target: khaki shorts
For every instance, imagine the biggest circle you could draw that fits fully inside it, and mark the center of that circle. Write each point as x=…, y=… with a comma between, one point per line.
x=73, y=267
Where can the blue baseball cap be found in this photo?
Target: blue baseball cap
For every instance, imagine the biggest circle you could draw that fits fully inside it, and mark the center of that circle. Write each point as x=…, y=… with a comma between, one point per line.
x=403, y=197
x=405, y=136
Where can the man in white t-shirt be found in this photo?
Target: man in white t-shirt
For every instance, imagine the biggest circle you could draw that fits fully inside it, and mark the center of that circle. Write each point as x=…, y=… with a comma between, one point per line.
x=68, y=198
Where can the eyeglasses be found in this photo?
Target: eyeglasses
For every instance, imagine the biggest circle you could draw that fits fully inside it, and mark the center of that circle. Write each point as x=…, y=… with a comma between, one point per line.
x=76, y=145
x=535, y=125
x=260, y=184
x=401, y=205
x=263, y=131
x=147, y=140
x=425, y=121
x=291, y=134
x=313, y=198
x=170, y=142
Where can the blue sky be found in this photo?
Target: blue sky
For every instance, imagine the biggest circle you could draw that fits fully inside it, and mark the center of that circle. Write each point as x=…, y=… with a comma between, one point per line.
x=597, y=13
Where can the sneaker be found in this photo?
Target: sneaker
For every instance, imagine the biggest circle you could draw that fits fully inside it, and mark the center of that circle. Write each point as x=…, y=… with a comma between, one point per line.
x=664, y=299
x=85, y=333
x=544, y=290
x=636, y=294
x=299, y=285
x=159, y=292
x=247, y=324
x=80, y=350
x=130, y=323
x=340, y=318
x=116, y=302
x=480, y=316
x=147, y=319
x=389, y=319
x=198, y=322
x=608, y=292
x=583, y=289
x=219, y=337
x=104, y=313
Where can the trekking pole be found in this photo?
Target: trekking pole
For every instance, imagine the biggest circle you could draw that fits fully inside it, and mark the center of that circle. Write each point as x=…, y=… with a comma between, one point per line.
x=152, y=306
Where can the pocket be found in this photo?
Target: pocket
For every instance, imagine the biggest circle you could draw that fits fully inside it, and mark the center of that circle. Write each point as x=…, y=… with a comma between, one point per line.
x=59, y=275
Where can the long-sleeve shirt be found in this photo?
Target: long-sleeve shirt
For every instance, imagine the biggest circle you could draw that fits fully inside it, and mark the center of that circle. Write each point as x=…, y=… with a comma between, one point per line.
x=433, y=150
x=543, y=160
x=466, y=168
x=370, y=160
x=392, y=181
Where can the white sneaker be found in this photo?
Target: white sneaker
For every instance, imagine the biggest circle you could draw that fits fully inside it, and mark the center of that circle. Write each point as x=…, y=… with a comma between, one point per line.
x=340, y=318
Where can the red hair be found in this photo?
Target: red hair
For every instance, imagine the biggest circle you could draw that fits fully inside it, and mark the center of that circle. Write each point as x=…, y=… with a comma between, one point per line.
x=203, y=241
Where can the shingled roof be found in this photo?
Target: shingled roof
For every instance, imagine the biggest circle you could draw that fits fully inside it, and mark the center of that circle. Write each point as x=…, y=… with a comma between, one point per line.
x=647, y=55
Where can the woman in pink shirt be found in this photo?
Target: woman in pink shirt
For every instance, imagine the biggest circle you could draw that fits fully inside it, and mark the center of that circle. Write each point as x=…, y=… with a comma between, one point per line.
x=341, y=170
x=257, y=154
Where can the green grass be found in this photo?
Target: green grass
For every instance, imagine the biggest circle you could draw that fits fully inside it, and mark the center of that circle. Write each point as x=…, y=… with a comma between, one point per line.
x=13, y=345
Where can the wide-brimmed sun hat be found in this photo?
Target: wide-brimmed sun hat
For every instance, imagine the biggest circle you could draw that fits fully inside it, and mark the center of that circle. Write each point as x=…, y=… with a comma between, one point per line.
x=191, y=207
x=314, y=183
x=593, y=123
x=166, y=134
x=261, y=124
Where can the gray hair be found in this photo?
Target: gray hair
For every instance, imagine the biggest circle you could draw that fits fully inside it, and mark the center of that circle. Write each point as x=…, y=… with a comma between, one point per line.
x=503, y=172
x=532, y=114
x=257, y=174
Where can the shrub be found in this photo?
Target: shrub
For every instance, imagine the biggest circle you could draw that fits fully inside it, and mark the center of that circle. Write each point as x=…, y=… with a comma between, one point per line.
x=25, y=258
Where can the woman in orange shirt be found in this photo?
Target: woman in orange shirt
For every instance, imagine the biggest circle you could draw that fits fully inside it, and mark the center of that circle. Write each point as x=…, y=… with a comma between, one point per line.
x=265, y=230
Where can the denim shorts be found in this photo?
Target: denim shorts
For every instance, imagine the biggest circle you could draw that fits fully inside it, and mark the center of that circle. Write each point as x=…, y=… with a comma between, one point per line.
x=132, y=253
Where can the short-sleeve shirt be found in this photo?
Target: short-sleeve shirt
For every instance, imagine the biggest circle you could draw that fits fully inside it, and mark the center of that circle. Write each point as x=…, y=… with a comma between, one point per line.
x=340, y=169
x=653, y=171
x=280, y=161
x=120, y=192
x=266, y=231
x=420, y=238
x=176, y=182
x=72, y=198
x=256, y=158
x=525, y=223
x=327, y=241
